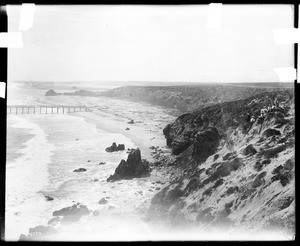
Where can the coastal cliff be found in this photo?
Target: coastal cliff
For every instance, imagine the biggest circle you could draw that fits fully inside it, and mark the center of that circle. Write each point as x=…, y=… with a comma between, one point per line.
x=189, y=97
x=227, y=174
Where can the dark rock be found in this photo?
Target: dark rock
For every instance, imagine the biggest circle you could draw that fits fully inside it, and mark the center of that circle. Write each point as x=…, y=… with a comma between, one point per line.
x=235, y=164
x=266, y=162
x=131, y=122
x=229, y=155
x=134, y=167
x=218, y=183
x=102, y=163
x=285, y=202
x=258, y=181
x=95, y=180
x=271, y=132
x=205, y=144
x=284, y=173
x=51, y=93
x=216, y=156
x=289, y=164
x=232, y=190
x=166, y=132
x=179, y=144
x=120, y=147
x=258, y=166
x=73, y=213
x=102, y=201
x=89, y=161
x=114, y=147
x=227, y=208
x=127, y=129
x=208, y=191
x=80, y=170
x=249, y=150
x=272, y=152
x=49, y=198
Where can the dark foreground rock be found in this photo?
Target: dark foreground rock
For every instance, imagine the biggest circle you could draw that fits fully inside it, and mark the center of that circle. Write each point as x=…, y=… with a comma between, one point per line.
x=72, y=214
x=115, y=147
x=49, y=198
x=134, y=167
x=80, y=170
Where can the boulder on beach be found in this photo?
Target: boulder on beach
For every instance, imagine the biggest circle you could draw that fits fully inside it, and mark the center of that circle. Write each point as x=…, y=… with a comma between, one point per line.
x=131, y=122
x=80, y=170
x=120, y=147
x=49, y=198
x=51, y=93
x=102, y=201
x=115, y=147
x=134, y=167
x=102, y=163
x=127, y=128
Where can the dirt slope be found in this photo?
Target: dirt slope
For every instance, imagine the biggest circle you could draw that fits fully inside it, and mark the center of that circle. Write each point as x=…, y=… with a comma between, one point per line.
x=227, y=176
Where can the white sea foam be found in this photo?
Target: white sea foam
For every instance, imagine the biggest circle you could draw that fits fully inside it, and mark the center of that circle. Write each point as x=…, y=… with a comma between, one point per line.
x=25, y=177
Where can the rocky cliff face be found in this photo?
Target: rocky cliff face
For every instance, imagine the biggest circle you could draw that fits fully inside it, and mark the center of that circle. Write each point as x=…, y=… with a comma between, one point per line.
x=229, y=174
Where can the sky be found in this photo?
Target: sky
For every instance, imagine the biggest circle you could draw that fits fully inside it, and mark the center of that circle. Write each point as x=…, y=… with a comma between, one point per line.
x=150, y=43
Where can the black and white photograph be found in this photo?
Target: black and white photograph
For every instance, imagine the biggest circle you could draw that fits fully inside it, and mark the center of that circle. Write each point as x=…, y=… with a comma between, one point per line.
x=150, y=123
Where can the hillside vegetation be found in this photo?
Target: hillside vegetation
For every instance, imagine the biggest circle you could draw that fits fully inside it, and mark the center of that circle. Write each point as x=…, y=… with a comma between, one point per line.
x=188, y=98
x=226, y=174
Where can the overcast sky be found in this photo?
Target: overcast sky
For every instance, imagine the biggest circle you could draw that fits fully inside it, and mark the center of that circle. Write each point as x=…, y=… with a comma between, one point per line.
x=150, y=43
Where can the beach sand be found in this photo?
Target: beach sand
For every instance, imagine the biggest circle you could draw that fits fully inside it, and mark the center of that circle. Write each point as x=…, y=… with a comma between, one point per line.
x=77, y=140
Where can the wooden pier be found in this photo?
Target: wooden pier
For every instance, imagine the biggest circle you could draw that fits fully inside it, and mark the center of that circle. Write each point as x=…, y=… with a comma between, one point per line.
x=26, y=109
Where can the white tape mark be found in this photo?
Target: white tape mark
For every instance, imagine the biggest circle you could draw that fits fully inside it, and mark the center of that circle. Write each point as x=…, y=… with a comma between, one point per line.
x=286, y=74
x=2, y=89
x=11, y=40
x=286, y=36
x=26, y=18
x=214, y=17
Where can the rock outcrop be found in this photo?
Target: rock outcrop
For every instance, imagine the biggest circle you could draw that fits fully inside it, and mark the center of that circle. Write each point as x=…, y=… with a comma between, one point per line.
x=114, y=147
x=64, y=216
x=79, y=170
x=51, y=93
x=71, y=214
x=134, y=167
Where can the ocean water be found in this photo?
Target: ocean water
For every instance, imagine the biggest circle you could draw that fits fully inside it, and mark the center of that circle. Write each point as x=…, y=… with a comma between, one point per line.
x=44, y=150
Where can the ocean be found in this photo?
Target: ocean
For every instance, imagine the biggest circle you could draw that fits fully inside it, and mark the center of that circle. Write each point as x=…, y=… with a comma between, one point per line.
x=44, y=150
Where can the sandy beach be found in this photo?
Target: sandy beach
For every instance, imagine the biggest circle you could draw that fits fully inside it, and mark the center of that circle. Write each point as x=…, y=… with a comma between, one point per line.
x=78, y=140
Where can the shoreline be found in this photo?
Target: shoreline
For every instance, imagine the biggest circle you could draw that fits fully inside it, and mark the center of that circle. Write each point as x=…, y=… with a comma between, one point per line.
x=138, y=134
x=135, y=201
x=25, y=176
